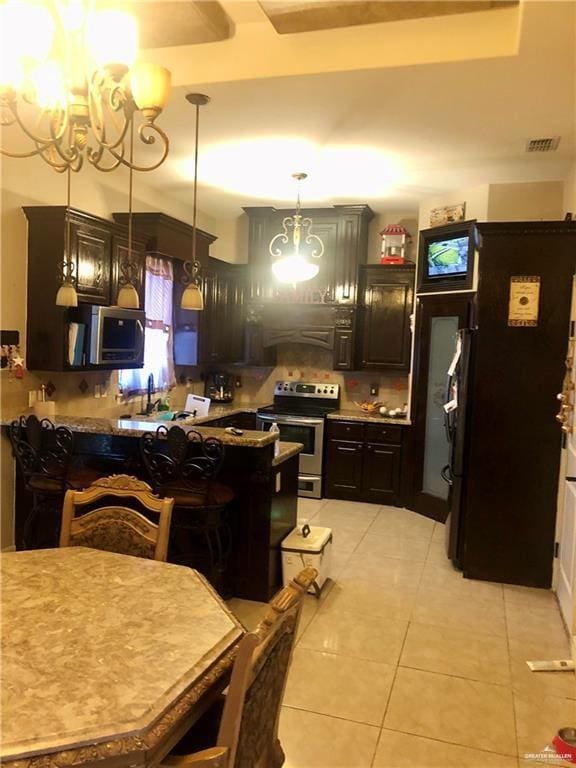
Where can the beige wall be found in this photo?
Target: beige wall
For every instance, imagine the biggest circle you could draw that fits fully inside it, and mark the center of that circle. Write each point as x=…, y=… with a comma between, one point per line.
x=569, y=201
x=526, y=202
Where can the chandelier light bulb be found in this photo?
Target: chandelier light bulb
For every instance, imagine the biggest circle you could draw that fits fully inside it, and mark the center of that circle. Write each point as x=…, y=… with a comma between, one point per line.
x=112, y=38
x=294, y=269
x=48, y=83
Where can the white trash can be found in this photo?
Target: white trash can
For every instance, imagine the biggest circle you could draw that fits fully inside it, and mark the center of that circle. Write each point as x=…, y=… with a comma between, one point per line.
x=307, y=546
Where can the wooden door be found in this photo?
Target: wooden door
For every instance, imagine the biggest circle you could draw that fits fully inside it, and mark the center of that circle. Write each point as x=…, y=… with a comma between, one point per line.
x=438, y=319
x=386, y=299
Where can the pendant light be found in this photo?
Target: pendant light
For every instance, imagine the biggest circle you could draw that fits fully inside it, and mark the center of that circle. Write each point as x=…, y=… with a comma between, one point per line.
x=127, y=294
x=192, y=295
x=296, y=259
x=67, y=296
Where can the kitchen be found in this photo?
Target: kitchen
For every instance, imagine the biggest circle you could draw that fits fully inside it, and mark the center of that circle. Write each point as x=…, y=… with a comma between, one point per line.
x=536, y=195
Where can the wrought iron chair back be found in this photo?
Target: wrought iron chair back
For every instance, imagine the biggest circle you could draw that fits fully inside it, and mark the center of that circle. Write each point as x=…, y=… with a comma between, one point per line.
x=173, y=457
x=43, y=453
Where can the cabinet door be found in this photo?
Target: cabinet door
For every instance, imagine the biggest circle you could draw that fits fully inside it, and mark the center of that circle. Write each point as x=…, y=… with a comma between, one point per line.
x=119, y=257
x=255, y=353
x=91, y=251
x=381, y=477
x=386, y=305
x=344, y=470
x=343, y=350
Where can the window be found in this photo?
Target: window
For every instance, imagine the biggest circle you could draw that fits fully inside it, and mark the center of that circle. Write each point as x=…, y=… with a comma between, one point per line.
x=158, y=344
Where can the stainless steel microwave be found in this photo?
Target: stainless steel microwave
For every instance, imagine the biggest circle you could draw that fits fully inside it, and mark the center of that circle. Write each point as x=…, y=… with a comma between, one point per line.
x=115, y=335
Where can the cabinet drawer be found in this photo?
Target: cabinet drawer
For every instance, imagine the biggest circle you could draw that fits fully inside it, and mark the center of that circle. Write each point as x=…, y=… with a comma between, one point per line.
x=346, y=430
x=384, y=433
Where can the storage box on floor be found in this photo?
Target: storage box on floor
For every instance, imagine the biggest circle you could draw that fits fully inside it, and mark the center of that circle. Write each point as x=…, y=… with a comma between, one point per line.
x=313, y=549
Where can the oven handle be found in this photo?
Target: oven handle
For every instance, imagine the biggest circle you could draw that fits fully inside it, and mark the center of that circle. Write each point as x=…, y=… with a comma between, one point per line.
x=290, y=420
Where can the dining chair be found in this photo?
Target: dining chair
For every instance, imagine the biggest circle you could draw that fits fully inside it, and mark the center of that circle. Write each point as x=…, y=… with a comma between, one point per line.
x=44, y=456
x=247, y=735
x=116, y=527
x=184, y=465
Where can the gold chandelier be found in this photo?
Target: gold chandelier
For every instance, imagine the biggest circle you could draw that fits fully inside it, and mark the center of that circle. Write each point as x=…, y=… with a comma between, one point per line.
x=70, y=88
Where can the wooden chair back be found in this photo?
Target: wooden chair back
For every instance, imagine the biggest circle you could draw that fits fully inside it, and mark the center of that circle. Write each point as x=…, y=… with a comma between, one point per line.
x=117, y=528
x=248, y=733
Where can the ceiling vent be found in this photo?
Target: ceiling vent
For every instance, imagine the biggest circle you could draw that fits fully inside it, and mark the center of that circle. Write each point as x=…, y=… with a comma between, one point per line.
x=543, y=145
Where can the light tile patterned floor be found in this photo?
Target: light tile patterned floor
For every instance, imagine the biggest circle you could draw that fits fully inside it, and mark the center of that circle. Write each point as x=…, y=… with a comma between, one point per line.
x=405, y=664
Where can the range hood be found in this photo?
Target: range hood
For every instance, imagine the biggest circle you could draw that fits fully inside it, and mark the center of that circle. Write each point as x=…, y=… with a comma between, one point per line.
x=298, y=324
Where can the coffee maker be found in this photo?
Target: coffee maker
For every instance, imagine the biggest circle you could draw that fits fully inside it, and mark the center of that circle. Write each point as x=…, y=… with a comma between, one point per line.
x=219, y=387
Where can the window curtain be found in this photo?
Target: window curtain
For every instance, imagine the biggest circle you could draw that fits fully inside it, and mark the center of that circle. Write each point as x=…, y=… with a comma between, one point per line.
x=158, y=340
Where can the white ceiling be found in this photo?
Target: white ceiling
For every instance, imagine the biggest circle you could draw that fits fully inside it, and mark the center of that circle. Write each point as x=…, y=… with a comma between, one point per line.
x=389, y=137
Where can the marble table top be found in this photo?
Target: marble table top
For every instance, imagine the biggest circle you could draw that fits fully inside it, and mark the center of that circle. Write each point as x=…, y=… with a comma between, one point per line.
x=98, y=647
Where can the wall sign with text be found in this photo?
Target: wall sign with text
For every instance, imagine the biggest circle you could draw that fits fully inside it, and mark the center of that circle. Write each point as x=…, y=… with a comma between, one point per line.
x=524, y=301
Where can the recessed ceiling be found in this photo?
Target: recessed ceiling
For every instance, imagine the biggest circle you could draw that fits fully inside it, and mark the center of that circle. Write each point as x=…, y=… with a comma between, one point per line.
x=293, y=16
x=165, y=23
x=390, y=137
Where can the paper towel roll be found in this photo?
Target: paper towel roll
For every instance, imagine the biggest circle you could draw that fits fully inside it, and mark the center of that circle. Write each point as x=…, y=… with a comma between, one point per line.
x=44, y=410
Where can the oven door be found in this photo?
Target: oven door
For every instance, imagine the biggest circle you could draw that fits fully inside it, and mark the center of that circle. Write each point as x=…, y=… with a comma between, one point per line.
x=300, y=429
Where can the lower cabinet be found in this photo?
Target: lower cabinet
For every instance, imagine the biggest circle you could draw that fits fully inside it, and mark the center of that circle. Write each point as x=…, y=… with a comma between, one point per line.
x=363, y=462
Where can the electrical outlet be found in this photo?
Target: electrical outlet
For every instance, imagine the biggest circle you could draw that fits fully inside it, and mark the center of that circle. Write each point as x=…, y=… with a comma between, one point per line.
x=374, y=388
x=32, y=397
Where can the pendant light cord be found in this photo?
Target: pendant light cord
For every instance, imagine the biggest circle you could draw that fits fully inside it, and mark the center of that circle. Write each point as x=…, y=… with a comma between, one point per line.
x=195, y=186
x=68, y=274
x=130, y=187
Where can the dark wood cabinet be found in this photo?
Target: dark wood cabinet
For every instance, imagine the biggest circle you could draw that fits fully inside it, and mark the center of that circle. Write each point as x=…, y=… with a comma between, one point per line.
x=344, y=461
x=97, y=247
x=343, y=230
x=344, y=336
x=214, y=335
x=364, y=461
x=381, y=475
x=385, y=306
x=90, y=247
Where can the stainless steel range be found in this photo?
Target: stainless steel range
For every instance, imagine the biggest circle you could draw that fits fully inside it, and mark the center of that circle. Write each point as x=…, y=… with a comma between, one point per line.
x=300, y=410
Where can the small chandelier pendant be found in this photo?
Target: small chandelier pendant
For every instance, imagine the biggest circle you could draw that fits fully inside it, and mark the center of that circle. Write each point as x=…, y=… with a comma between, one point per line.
x=296, y=251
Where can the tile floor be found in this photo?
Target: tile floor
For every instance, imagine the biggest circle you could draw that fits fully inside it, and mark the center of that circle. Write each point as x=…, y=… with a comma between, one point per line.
x=405, y=664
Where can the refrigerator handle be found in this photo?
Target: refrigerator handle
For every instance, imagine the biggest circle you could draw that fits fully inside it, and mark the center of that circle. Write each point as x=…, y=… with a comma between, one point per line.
x=447, y=425
x=446, y=474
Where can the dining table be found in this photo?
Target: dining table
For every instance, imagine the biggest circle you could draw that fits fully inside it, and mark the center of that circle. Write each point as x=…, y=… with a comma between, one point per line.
x=106, y=659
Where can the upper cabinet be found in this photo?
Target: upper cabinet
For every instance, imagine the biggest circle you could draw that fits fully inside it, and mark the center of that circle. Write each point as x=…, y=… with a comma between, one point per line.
x=214, y=335
x=344, y=231
x=98, y=248
x=384, y=310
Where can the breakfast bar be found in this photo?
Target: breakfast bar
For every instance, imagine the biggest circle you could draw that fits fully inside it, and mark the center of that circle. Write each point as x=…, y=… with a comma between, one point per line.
x=264, y=482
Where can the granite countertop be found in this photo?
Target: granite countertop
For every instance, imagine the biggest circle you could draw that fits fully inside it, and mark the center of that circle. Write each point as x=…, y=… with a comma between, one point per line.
x=355, y=414
x=250, y=438
x=286, y=451
x=96, y=646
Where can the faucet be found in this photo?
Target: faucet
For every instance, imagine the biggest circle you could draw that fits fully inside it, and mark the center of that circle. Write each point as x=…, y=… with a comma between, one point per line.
x=150, y=406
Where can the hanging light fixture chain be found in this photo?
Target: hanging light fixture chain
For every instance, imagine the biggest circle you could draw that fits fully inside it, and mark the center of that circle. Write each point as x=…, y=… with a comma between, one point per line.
x=68, y=266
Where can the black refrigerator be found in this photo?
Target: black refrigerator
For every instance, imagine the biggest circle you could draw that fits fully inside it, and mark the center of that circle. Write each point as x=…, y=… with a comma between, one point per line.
x=503, y=440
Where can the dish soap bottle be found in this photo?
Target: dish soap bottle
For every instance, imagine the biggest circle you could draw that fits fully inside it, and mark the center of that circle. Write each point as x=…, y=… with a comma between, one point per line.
x=275, y=429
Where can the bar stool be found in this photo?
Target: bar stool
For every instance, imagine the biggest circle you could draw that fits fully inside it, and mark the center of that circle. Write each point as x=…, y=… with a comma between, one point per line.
x=44, y=455
x=184, y=466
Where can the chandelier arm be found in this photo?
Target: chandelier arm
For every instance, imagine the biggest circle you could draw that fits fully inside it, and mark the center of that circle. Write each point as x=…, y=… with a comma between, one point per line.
x=48, y=155
x=97, y=119
x=146, y=140
x=35, y=139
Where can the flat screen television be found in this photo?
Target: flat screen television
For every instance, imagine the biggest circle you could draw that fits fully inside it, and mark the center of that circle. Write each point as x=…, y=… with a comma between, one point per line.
x=446, y=257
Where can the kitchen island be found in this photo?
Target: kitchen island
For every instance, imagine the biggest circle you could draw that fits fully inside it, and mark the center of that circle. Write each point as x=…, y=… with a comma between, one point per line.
x=265, y=486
